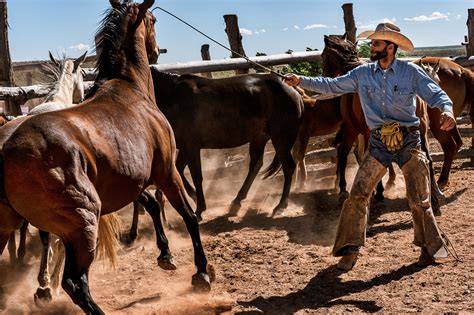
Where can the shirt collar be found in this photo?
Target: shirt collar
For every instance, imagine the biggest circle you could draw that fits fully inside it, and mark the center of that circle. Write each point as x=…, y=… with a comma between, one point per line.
x=393, y=66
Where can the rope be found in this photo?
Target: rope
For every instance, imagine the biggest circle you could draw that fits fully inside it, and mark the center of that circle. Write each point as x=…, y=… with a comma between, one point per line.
x=223, y=46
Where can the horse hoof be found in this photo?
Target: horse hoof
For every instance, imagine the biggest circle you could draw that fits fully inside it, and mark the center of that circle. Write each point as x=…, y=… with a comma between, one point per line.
x=166, y=263
x=437, y=211
x=201, y=282
x=211, y=271
x=234, y=208
x=198, y=217
x=43, y=295
x=379, y=197
x=278, y=211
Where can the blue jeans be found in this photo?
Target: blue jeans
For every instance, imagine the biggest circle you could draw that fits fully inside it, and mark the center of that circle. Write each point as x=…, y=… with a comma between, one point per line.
x=411, y=139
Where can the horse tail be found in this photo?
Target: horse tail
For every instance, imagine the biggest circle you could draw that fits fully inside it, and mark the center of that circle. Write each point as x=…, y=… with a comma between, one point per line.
x=110, y=226
x=273, y=168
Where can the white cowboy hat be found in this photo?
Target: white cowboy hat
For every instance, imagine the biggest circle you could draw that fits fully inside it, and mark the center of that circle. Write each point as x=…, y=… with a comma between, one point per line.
x=390, y=32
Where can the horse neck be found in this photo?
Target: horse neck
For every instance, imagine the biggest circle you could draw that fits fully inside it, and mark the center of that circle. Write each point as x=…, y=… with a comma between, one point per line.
x=63, y=90
x=133, y=65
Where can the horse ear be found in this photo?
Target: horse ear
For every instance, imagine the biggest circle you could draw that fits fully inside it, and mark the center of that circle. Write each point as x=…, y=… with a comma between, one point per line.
x=147, y=4
x=436, y=67
x=79, y=61
x=115, y=3
x=53, y=59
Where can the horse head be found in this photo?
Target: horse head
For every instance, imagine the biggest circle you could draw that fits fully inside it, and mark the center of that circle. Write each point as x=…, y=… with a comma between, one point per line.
x=339, y=55
x=116, y=39
x=431, y=70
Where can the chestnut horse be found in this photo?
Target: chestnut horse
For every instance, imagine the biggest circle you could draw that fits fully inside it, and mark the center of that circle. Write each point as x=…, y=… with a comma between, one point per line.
x=458, y=83
x=227, y=113
x=339, y=57
x=62, y=170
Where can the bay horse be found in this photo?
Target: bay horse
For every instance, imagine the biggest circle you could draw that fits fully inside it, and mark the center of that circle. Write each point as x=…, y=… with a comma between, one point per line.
x=458, y=83
x=227, y=113
x=62, y=170
x=339, y=57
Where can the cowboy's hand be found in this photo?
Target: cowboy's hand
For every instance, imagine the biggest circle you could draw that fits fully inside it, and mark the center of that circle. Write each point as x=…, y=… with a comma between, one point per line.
x=292, y=79
x=447, y=121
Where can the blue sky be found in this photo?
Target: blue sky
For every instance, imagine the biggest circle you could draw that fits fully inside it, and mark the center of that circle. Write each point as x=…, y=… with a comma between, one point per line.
x=273, y=27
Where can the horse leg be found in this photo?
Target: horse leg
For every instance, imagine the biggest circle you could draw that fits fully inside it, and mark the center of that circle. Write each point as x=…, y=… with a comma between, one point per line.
x=256, y=150
x=22, y=244
x=174, y=192
x=9, y=222
x=165, y=260
x=343, y=151
x=43, y=293
x=132, y=234
x=12, y=248
x=283, y=147
x=160, y=198
x=80, y=249
x=60, y=255
x=180, y=165
x=299, y=151
x=391, y=176
x=449, y=147
x=194, y=164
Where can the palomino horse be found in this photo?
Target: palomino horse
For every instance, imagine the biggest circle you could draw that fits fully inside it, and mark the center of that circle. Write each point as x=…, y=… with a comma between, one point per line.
x=339, y=57
x=458, y=83
x=62, y=170
x=226, y=113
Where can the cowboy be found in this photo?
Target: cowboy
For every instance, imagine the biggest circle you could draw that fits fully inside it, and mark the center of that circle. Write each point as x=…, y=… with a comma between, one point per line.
x=387, y=88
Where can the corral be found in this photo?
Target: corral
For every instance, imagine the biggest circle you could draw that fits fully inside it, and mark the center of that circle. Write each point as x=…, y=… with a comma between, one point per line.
x=280, y=264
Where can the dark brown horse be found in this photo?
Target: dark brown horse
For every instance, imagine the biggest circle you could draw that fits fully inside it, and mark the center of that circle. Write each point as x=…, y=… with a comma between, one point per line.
x=458, y=83
x=62, y=170
x=227, y=113
x=339, y=57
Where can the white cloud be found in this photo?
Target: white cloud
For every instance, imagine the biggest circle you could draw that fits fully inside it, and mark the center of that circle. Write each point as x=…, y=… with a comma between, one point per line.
x=260, y=31
x=313, y=26
x=296, y=27
x=371, y=25
x=246, y=32
x=285, y=29
x=79, y=47
x=434, y=16
x=458, y=17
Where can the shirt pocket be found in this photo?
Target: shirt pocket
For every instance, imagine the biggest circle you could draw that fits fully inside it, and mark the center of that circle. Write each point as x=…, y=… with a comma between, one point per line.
x=371, y=93
x=403, y=97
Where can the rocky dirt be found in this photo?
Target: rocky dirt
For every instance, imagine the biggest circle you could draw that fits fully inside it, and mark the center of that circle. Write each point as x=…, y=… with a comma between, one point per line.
x=281, y=265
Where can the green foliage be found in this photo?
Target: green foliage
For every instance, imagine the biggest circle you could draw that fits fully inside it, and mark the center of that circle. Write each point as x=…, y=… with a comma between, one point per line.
x=304, y=68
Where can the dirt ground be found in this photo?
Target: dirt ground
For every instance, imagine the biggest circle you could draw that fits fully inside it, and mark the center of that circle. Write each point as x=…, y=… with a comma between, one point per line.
x=281, y=265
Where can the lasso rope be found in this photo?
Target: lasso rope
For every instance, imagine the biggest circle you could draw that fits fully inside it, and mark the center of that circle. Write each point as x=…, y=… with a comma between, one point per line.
x=223, y=46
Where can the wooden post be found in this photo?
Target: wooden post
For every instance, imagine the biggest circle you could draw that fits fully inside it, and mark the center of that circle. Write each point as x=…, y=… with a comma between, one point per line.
x=235, y=38
x=6, y=72
x=205, y=55
x=349, y=22
x=29, y=78
x=469, y=40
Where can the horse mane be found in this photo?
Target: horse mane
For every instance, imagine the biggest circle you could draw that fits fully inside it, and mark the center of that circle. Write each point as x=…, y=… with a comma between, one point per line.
x=344, y=51
x=108, y=40
x=53, y=72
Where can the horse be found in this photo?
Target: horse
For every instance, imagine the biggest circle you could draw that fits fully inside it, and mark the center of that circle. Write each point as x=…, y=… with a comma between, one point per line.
x=64, y=169
x=458, y=83
x=339, y=57
x=226, y=113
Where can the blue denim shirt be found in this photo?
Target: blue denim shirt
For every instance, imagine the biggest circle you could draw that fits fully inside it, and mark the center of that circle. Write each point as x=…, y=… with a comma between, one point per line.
x=386, y=96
